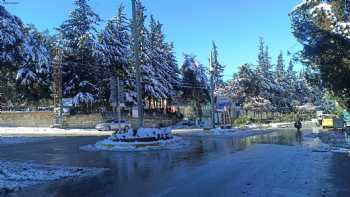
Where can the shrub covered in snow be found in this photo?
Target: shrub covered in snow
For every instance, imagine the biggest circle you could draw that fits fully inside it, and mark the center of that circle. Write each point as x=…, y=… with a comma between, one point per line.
x=146, y=139
x=144, y=134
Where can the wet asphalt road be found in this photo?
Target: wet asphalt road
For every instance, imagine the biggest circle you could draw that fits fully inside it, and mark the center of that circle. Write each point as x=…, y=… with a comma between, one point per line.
x=269, y=165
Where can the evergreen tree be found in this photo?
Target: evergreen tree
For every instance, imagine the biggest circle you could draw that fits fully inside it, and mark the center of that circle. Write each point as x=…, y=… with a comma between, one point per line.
x=291, y=79
x=159, y=59
x=243, y=86
x=24, y=60
x=261, y=57
x=290, y=72
x=280, y=68
x=194, y=83
x=81, y=62
x=11, y=42
x=322, y=28
x=267, y=61
x=216, y=69
x=34, y=74
x=115, y=44
x=174, y=71
x=282, y=95
x=151, y=86
x=265, y=80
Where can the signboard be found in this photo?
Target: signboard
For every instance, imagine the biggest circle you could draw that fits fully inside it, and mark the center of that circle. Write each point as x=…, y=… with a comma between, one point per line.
x=135, y=112
x=117, y=92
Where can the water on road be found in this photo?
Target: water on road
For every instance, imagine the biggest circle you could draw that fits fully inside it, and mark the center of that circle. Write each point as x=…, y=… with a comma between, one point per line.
x=277, y=166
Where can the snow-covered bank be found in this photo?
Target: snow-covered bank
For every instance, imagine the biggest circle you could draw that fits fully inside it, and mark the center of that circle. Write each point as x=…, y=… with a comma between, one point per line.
x=143, y=134
x=16, y=175
x=265, y=126
x=111, y=145
x=21, y=140
x=146, y=139
x=36, y=131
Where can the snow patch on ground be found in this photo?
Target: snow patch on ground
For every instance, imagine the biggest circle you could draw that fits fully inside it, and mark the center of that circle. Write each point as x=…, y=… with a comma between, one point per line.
x=111, y=145
x=145, y=132
x=146, y=139
x=16, y=175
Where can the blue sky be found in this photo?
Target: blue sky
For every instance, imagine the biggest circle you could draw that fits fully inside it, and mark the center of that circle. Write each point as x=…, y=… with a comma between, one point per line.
x=192, y=25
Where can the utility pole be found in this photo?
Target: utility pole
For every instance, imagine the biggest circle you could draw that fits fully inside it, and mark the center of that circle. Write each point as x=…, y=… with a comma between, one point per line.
x=212, y=88
x=119, y=93
x=135, y=32
x=57, y=88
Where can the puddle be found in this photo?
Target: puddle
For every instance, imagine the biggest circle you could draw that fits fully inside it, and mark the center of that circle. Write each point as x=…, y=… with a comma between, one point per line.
x=127, y=170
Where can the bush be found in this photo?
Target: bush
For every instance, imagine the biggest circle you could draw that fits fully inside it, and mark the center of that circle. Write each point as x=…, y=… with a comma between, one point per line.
x=288, y=117
x=242, y=120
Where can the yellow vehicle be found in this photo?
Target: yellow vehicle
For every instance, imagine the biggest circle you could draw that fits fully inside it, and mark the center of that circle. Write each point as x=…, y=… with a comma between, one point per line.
x=328, y=121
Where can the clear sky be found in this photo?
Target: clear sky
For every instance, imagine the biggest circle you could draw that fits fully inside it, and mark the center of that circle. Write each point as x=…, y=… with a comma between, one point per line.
x=235, y=25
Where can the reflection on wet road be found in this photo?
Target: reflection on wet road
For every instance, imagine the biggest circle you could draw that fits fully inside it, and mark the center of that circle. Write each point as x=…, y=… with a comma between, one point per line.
x=144, y=173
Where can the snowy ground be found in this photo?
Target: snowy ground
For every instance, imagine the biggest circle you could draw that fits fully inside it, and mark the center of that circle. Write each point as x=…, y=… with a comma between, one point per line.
x=218, y=166
x=146, y=139
x=15, y=176
x=261, y=170
x=36, y=131
x=110, y=145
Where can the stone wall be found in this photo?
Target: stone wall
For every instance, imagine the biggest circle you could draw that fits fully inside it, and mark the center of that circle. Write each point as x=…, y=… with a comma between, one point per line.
x=82, y=121
x=45, y=119
x=26, y=119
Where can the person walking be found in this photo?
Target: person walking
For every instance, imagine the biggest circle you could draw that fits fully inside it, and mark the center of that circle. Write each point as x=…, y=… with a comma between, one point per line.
x=298, y=125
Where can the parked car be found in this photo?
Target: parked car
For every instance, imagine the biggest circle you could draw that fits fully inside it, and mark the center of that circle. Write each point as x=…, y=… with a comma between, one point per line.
x=113, y=125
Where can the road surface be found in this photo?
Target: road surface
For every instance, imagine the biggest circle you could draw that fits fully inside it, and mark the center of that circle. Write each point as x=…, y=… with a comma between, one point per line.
x=269, y=165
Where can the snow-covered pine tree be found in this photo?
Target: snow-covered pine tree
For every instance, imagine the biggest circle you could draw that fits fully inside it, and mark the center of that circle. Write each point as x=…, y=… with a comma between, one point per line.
x=81, y=70
x=115, y=44
x=291, y=74
x=243, y=86
x=174, y=77
x=11, y=55
x=216, y=69
x=194, y=83
x=267, y=60
x=24, y=60
x=265, y=79
x=280, y=68
x=158, y=57
x=151, y=86
x=282, y=96
x=291, y=80
x=261, y=57
x=322, y=27
x=34, y=74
